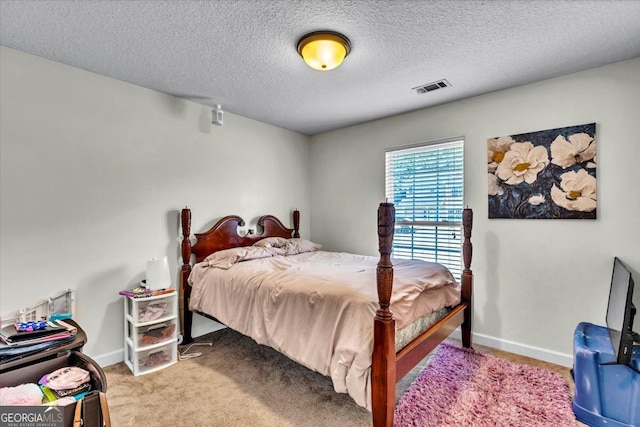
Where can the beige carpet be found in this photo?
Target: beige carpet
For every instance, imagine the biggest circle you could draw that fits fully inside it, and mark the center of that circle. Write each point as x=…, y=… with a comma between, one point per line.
x=236, y=382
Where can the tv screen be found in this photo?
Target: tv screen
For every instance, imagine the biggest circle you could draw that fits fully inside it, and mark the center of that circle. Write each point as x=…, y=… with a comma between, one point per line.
x=620, y=312
x=636, y=323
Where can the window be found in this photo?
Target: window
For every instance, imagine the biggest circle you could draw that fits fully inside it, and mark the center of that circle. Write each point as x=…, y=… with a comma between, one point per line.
x=426, y=185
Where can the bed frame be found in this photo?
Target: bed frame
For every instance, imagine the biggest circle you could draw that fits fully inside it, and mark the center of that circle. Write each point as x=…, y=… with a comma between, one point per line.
x=388, y=366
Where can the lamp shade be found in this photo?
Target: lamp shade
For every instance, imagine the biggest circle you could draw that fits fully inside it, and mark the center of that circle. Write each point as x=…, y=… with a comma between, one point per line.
x=158, y=274
x=324, y=50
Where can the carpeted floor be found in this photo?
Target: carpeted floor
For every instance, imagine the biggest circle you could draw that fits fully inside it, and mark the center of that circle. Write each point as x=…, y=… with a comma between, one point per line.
x=238, y=383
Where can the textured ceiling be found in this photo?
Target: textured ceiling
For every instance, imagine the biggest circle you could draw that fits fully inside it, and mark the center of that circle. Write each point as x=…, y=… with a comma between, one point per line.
x=242, y=53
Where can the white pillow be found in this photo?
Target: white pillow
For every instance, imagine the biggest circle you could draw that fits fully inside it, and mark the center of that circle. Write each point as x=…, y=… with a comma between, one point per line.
x=302, y=245
x=226, y=258
x=271, y=242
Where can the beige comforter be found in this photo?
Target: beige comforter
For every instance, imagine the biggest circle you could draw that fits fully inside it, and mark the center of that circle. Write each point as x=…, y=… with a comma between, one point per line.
x=316, y=307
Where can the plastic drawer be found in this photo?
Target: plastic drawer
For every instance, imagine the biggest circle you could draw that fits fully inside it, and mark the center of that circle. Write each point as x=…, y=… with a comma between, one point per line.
x=145, y=336
x=151, y=309
x=154, y=359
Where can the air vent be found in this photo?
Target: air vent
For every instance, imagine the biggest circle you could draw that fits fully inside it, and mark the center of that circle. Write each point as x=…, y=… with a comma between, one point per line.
x=430, y=87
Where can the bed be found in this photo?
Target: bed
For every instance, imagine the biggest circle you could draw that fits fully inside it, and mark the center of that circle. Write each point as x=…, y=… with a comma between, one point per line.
x=234, y=277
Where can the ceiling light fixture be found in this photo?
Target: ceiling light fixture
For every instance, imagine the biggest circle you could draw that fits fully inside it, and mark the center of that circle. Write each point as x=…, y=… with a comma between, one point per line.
x=324, y=50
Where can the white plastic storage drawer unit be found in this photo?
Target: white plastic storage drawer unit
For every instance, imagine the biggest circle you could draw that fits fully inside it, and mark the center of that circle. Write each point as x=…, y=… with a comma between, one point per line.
x=150, y=332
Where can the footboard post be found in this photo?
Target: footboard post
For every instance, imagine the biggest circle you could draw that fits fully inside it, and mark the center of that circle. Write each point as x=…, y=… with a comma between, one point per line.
x=383, y=362
x=467, y=277
x=185, y=289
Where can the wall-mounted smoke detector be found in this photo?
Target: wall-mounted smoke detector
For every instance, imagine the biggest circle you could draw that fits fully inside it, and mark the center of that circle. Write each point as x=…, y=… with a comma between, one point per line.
x=430, y=87
x=217, y=116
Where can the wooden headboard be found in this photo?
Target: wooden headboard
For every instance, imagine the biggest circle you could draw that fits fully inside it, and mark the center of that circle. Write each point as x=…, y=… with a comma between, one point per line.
x=223, y=235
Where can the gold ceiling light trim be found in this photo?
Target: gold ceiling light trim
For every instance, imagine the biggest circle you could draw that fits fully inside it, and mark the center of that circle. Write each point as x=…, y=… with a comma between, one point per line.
x=324, y=50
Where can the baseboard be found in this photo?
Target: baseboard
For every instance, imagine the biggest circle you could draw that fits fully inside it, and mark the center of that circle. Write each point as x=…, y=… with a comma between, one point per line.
x=207, y=328
x=117, y=356
x=543, y=354
x=109, y=359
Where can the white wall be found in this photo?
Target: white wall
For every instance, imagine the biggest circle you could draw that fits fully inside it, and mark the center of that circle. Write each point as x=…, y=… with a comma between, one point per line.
x=94, y=172
x=534, y=279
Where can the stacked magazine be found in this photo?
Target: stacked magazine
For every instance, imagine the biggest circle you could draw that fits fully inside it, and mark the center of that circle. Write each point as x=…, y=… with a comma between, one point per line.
x=142, y=292
x=55, y=330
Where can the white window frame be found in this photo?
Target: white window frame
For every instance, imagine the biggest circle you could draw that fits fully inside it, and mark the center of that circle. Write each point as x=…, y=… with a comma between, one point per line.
x=429, y=207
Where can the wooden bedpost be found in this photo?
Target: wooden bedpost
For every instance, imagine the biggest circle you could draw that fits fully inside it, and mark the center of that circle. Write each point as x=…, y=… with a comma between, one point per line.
x=186, y=316
x=467, y=277
x=296, y=223
x=383, y=362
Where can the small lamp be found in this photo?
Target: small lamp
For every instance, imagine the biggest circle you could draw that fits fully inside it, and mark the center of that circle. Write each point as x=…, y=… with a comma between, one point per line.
x=324, y=50
x=158, y=274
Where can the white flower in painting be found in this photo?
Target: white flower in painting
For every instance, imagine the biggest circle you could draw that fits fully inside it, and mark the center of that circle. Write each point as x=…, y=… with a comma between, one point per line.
x=577, y=191
x=522, y=162
x=580, y=147
x=536, y=200
x=496, y=147
x=494, y=188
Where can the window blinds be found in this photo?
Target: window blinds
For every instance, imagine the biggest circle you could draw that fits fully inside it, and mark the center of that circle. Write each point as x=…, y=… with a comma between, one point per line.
x=426, y=185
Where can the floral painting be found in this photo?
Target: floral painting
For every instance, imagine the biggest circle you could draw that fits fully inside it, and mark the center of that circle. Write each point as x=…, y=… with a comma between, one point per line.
x=545, y=174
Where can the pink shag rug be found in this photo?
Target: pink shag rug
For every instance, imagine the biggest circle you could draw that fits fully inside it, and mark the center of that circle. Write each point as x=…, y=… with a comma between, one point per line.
x=461, y=387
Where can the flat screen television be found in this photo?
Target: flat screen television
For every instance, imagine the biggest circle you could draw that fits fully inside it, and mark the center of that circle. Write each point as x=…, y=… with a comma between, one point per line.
x=621, y=312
